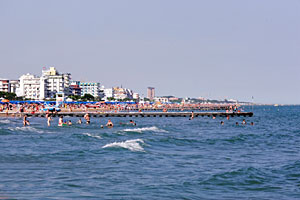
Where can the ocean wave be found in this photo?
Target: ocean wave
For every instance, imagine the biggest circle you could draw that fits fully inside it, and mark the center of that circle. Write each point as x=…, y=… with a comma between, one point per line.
x=94, y=136
x=5, y=121
x=132, y=145
x=242, y=176
x=25, y=129
x=140, y=130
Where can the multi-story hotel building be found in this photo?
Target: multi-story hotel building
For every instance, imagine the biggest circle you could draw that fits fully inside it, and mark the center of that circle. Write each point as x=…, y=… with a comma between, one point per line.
x=150, y=93
x=4, y=85
x=91, y=88
x=55, y=82
x=30, y=87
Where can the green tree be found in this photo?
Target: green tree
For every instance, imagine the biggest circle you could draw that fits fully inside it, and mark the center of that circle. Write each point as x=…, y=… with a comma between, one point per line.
x=110, y=98
x=88, y=97
x=75, y=97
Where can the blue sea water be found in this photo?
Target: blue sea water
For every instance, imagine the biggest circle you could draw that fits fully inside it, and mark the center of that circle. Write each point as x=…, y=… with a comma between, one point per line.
x=160, y=158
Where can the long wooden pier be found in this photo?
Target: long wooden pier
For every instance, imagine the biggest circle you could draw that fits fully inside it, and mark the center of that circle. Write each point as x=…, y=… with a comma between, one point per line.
x=135, y=114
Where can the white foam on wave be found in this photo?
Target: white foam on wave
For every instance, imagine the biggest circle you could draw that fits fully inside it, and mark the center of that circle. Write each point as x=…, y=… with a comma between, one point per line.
x=26, y=128
x=140, y=130
x=132, y=145
x=94, y=136
x=5, y=121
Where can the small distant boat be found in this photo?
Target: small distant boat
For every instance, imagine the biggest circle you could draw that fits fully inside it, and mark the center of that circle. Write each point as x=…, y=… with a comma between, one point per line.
x=276, y=105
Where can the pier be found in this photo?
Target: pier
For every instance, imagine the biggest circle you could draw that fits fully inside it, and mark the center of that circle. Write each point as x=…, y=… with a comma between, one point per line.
x=134, y=114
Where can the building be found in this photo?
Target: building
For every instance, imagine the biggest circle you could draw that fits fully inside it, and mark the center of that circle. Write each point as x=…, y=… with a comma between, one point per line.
x=55, y=82
x=30, y=87
x=136, y=96
x=91, y=88
x=75, y=88
x=108, y=93
x=14, y=85
x=150, y=93
x=161, y=99
x=46, y=86
x=4, y=85
x=122, y=93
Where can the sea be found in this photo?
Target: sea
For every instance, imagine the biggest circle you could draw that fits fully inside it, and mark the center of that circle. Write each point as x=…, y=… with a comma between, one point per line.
x=160, y=158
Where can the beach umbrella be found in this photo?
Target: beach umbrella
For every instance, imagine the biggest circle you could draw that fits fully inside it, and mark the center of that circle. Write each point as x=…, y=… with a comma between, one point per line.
x=5, y=101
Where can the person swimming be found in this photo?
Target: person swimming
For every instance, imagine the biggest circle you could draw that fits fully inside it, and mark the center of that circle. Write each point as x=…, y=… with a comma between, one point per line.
x=252, y=123
x=222, y=123
x=109, y=123
x=69, y=123
x=236, y=123
x=79, y=121
x=244, y=122
x=132, y=122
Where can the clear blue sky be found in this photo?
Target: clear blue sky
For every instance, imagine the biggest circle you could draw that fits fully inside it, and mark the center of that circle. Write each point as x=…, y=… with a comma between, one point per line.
x=217, y=49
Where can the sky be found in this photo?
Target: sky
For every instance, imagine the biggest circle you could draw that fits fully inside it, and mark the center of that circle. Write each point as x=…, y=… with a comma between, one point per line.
x=215, y=49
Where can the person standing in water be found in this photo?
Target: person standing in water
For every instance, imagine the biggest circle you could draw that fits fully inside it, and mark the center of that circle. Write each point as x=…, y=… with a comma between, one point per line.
x=60, y=121
x=49, y=118
x=79, y=121
x=25, y=121
x=87, y=118
x=192, y=115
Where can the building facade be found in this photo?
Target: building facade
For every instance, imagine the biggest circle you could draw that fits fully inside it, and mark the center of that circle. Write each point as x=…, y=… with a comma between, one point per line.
x=122, y=93
x=14, y=85
x=136, y=96
x=30, y=87
x=75, y=88
x=108, y=93
x=150, y=93
x=55, y=82
x=91, y=88
x=161, y=99
x=4, y=85
x=39, y=88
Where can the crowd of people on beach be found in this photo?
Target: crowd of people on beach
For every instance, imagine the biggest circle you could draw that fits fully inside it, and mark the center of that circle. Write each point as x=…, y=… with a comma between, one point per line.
x=83, y=107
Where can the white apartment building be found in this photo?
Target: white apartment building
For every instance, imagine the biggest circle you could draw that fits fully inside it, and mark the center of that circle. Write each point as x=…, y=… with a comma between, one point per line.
x=108, y=93
x=90, y=88
x=136, y=96
x=122, y=93
x=54, y=82
x=14, y=85
x=30, y=87
x=161, y=99
x=4, y=85
x=39, y=88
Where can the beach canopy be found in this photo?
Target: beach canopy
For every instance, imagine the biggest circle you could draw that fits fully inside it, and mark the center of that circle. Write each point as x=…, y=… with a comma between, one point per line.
x=5, y=101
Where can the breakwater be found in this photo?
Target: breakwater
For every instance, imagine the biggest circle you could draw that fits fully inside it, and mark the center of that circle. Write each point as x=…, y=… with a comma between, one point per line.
x=134, y=114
